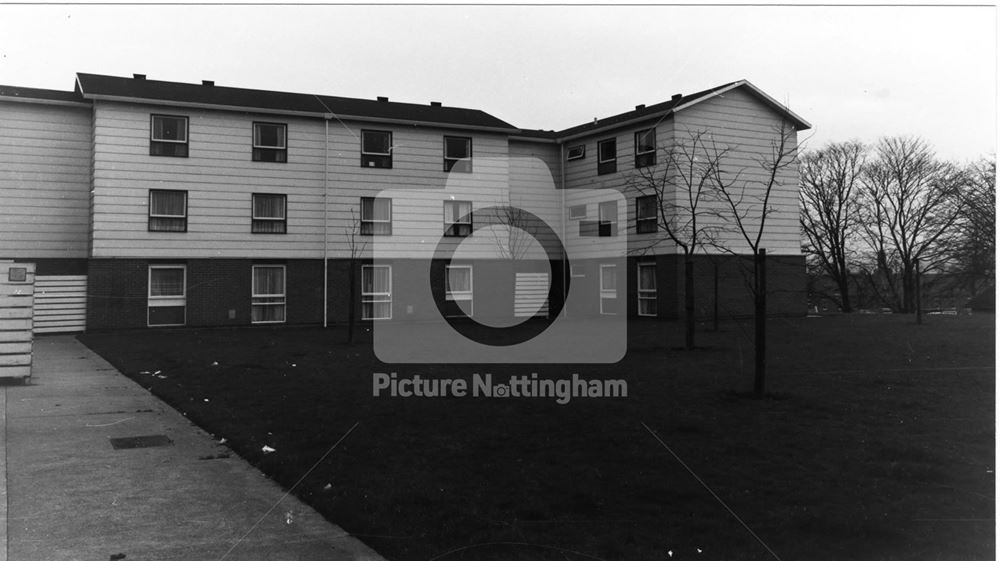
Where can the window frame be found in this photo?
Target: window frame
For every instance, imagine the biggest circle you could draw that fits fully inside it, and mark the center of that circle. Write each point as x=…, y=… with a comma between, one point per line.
x=455, y=161
x=645, y=294
x=645, y=157
x=150, y=216
x=372, y=221
x=259, y=150
x=649, y=224
x=460, y=296
x=449, y=226
x=255, y=220
x=155, y=143
x=575, y=216
x=607, y=293
x=161, y=301
x=372, y=297
x=609, y=165
x=283, y=295
x=376, y=160
x=607, y=228
x=579, y=156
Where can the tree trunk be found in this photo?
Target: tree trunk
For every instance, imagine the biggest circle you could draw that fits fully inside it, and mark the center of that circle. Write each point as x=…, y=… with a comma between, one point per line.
x=760, y=322
x=845, y=296
x=689, y=319
x=350, y=304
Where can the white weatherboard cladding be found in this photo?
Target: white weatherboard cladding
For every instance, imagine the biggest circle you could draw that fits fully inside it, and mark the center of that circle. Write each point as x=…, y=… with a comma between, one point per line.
x=45, y=160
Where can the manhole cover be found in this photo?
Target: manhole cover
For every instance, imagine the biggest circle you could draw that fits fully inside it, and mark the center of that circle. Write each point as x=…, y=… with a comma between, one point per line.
x=148, y=441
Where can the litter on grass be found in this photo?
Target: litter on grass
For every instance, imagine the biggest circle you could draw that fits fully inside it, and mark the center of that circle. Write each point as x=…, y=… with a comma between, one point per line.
x=267, y=449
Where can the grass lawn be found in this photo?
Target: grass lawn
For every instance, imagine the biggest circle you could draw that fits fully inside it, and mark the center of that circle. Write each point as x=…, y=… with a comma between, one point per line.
x=877, y=442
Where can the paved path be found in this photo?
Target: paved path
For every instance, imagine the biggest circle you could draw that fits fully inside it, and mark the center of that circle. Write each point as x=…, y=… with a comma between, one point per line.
x=67, y=494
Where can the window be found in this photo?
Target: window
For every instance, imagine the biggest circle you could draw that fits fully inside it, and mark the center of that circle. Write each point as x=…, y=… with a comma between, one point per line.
x=269, y=142
x=376, y=216
x=609, y=290
x=607, y=156
x=607, y=219
x=647, y=289
x=167, y=211
x=645, y=214
x=376, y=149
x=576, y=212
x=645, y=148
x=576, y=152
x=458, y=288
x=268, y=214
x=376, y=292
x=458, y=154
x=167, y=295
x=168, y=136
x=267, y=303
x=577, y=271
x=457, y=218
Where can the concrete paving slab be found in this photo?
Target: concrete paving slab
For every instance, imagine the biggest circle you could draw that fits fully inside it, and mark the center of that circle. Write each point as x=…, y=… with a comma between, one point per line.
x=71, y=495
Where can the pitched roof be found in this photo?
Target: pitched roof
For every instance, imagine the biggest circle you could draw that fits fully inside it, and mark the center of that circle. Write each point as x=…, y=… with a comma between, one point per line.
x=39, y=94
x=95, y=86
x=665, y=110
x=639, y=113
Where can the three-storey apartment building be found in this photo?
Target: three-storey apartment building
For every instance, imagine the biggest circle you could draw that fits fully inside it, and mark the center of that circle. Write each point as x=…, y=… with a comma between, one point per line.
x=171, y=204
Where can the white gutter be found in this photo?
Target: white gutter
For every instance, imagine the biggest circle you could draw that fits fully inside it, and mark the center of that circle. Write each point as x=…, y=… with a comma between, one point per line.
x=42, y=101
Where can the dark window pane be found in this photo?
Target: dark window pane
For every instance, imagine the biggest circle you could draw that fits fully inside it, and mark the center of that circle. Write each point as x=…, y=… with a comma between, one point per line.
x=375, y=142
x=607, y=150
x=457, y=148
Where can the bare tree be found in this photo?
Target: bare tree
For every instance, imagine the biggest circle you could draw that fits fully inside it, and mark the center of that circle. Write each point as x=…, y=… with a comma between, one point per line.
x=975, y=248
x=517, y=232
x=356, y=247
x=909, y=212
x=829, y=210
x=682, y=188
x=744, y=206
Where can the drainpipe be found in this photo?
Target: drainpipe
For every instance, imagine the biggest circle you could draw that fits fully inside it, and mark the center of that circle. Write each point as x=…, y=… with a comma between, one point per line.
x=326, y=221
x=562, y=222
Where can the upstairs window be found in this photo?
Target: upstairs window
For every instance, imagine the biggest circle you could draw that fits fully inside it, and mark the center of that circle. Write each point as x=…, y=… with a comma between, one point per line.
x=270, y=142
x=167, y=210
x=376, y=216
x=457, y=218
x=645, y=214
x=607, y=156
x=458, y=154
x=376, y=149
x=269, y=213
x=168, y=136
x=576, y=152
x=607, y=219
x=645, y=148
x=577, y=212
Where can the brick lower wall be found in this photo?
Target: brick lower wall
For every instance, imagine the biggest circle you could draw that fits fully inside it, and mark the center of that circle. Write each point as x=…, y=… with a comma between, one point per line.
x=219, y=290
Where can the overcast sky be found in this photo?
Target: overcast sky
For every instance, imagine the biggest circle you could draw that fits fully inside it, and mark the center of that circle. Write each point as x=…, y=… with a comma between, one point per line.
x=853, y=72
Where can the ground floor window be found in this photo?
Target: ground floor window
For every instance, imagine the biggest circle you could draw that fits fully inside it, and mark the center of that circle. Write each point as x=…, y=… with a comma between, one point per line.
x=167, y=303
x=647, y=289
x=268, y=294
x=609, y=289
x=458, y=287
x=376, y=292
